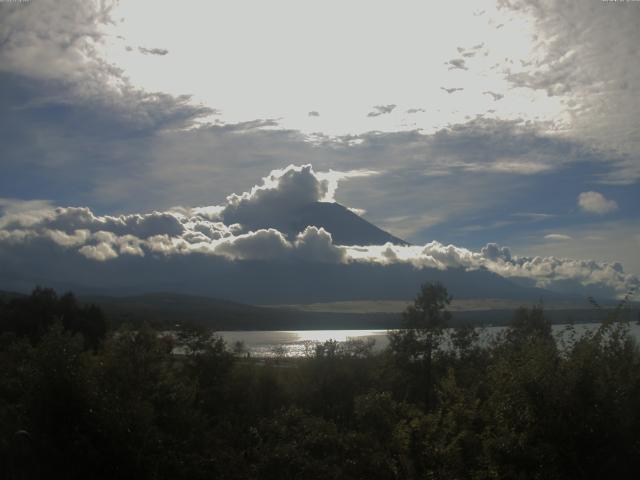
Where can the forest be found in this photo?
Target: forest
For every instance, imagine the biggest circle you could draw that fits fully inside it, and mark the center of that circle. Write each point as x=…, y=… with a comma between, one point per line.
x=79, y=399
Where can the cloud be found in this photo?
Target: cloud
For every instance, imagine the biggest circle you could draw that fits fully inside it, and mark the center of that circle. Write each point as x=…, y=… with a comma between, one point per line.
x=106, y=173
x=553, y=273
x=316, y=244
x=281, y=192
x=381, y=110
x=457, y=63
x=268, y=244
x=470, y=52
x=557, y=236
x=214, y=231
x=452, y=90
x=596, y=83
x=69, y=219
x=416, y=110
x=533, y=216
x=27, y=212
x=333, y=177
x=594, y=202
x=605, y=239
x=153, y=51
x=56, y=47
x=48, y=39
x=192, y=232
x=456, y=154
x=510, y=166
x=314, y=113
x=104, y=238
x=494, y=252
x=495, y=96
x=311, y=245
x=105, y=152
x=77, y=131
x=101, y=252
x=358, y=211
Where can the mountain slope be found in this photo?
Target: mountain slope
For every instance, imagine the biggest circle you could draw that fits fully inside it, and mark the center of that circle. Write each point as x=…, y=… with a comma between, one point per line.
x=346, y=227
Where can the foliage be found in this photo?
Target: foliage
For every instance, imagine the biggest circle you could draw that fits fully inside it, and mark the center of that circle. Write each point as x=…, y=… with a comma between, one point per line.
x=439, y=403
x=420, y=338
x=32, y=316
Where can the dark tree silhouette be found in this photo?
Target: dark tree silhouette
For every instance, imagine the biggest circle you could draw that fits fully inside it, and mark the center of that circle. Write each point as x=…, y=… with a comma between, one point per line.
x=33, y=316
x=415, y=343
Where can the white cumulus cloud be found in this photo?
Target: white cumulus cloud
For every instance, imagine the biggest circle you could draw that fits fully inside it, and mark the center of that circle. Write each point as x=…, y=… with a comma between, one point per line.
x=281, y=192
x=594, y=202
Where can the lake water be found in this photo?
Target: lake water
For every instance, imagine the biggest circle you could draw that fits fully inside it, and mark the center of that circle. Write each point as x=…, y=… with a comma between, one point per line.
x=299, y=343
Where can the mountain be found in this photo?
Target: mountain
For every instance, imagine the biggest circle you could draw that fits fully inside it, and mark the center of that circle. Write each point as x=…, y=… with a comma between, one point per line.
x=346, y=227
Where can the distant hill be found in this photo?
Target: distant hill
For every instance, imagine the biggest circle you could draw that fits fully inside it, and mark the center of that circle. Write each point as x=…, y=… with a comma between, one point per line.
x=169, y=310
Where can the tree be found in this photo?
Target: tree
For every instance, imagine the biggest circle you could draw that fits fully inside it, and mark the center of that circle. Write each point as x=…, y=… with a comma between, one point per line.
x=423, y=324
x=32, y=316
x=529, y=325
x=240, y=348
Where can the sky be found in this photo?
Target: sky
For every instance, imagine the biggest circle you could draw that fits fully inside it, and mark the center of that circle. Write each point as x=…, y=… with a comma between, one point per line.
x=464, y=123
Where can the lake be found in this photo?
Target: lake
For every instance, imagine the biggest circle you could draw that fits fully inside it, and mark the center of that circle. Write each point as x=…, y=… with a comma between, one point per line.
x=299, y=343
